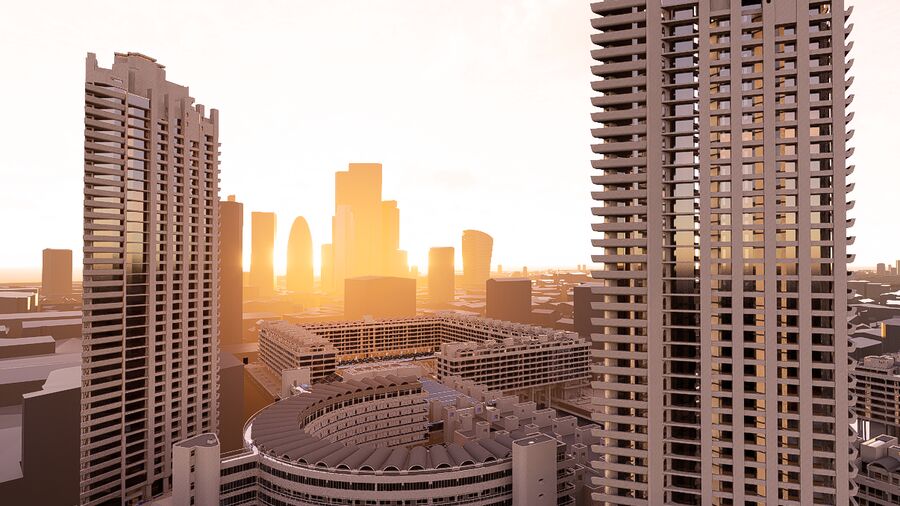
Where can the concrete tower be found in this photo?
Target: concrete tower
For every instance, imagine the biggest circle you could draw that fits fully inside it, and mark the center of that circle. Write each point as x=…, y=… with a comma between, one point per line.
x=56, y=273
x=476, y=253
x=299, y=258
x=441, y=274
x=262, y=249
x=721, y=351
x=151, y=260
x=231, y=281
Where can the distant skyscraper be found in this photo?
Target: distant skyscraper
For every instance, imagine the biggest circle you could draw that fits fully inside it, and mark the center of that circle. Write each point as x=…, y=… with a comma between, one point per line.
x=262, y=249
x=393, y=259
x=476, y=253
x=151, y=306
x=299, y=258
x=231, y=256
x=721, y=348
x=508, y=299
x=441, y=274
x=56, y=273
x=326, y=268
x=365, y=230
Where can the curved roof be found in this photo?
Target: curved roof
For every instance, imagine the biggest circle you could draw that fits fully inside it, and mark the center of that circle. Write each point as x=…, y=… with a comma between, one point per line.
x=278, y=431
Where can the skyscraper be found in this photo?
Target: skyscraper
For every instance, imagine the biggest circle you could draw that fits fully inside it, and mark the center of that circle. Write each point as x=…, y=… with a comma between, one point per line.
x=476, y=253
x=299, y=257
x=56, y=273
x=721, y=354
x=365, y=230
x=441, y=274
x=231, y=255
x=262, y=249
x=326, y=269
x=150, y=338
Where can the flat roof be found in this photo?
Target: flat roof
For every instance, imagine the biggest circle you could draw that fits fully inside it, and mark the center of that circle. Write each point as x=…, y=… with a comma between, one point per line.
x=40, y=315
x=25, y=341
x=36, y=368
x=34, y=324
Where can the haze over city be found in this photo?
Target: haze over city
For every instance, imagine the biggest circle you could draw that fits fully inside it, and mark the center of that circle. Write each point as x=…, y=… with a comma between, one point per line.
x=476, y=109
x=505, y=253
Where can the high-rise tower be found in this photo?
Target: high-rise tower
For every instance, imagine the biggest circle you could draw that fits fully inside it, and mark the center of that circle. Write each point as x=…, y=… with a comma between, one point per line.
x=262, y=250
x=441, y=274
x=231, y=254
x=56, y=273
x=365, y=230
x=299, y=257
x=151, y=306
x=477, y=247
x=721, y=352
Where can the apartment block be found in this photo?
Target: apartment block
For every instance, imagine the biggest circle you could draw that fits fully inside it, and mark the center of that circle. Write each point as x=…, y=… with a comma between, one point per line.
x=517, y=363
x=720, y=186
x=877, y=393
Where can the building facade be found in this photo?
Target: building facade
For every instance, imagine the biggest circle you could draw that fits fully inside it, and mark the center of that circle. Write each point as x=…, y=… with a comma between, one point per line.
x=231, y=273
x=441, y=274
x=56, y=273
x=721, y=354
x=262, y=250
x=879, y=472
x=877, y=392
x=477, y=248
x=299, y=275
x=517, y=363
x=492, y=451
x=151, y=259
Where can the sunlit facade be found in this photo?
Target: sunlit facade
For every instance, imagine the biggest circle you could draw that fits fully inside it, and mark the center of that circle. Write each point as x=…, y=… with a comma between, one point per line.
x=150, y=326
x=721, y=352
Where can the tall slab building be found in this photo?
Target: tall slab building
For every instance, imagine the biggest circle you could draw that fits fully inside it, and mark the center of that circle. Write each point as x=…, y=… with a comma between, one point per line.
x=56, y=273
x=721, y=351
x=365, y=230
x=262, y=251
x=151, y=257
x=477, y=248
x=231, y=285
x=441, y=274
x=299, y=257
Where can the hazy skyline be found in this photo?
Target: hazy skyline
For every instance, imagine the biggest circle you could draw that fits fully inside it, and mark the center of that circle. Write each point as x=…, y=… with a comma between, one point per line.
x=478, y=111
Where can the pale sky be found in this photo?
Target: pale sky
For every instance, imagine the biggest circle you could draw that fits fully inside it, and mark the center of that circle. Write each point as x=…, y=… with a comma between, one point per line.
x=478, y=109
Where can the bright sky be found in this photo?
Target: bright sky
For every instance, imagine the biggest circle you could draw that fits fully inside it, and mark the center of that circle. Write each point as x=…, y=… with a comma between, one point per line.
x=478, y=109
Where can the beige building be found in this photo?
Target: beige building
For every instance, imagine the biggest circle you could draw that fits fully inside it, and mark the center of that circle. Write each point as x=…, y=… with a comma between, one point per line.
x=721, y=180
x=231, y=273
x=300, y=258
x=879, y=472
x=877, y=391
x=441, y=275
x=56, y=273
x=151, y=264
x=477, y=247
x=262, y=250
x=518, y=363
x=284, y=346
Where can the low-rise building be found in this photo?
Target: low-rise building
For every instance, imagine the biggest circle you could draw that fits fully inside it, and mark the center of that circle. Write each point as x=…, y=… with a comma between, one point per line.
x=364, y=442
x=878, y=479
x=878, y=395
x=516, y=363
